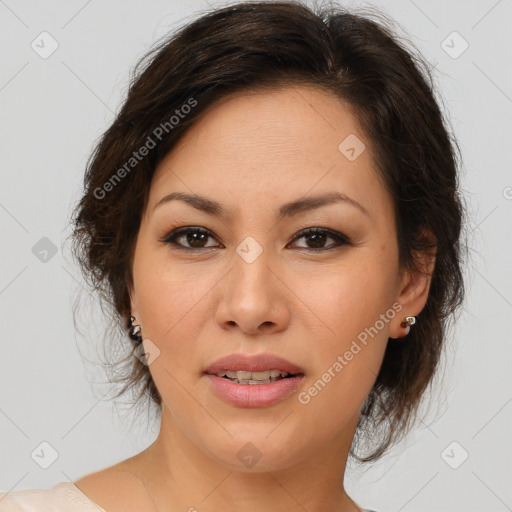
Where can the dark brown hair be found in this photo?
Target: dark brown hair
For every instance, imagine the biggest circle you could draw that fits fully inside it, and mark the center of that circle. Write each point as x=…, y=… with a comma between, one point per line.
x=254, y=45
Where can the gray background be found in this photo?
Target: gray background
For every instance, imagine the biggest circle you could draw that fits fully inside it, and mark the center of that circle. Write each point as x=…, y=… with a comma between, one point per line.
x=53, y=110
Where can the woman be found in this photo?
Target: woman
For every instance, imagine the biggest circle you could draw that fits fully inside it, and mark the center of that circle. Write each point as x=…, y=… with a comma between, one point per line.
x=274, y=216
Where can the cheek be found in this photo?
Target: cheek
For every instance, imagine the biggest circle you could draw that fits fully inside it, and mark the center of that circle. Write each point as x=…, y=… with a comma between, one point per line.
x=346, y=366
x=169, y=295
x=174, y=304
x=355, y=313
x=349, y=298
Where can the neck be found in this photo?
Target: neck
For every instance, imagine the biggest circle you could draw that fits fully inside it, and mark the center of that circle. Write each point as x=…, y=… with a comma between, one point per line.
x=180, y=475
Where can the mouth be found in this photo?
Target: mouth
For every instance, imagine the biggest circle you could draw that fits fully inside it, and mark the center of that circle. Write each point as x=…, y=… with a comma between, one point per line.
x=255, y=378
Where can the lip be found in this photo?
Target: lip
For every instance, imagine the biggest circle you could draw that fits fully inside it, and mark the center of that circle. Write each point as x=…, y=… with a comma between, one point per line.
x=254, y=395
x=252, y=363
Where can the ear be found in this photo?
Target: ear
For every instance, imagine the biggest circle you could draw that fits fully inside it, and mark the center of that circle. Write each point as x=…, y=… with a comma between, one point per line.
x=414, y=288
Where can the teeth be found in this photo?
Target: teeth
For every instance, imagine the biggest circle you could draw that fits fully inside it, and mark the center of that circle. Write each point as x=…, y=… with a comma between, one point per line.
x=244, y=377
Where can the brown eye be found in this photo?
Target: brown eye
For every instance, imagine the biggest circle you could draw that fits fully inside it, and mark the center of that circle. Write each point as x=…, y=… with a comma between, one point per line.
x=195, y=237
x=317, y=237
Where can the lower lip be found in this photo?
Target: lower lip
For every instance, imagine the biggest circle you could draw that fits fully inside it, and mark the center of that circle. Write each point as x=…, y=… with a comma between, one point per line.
x=254, y=395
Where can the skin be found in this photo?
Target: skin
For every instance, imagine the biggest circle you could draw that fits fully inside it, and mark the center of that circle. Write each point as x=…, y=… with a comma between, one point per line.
x=252, y=152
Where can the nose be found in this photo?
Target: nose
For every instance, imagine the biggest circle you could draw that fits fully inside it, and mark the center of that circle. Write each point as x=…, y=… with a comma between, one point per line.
x=253, y=297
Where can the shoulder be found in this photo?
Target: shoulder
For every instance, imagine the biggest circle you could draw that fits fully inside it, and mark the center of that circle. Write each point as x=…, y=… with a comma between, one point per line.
x=118, y=488
x=62, y=497
x=91, y=493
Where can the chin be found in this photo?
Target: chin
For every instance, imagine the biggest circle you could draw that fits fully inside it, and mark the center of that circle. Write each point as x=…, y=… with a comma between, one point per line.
x=257, y=452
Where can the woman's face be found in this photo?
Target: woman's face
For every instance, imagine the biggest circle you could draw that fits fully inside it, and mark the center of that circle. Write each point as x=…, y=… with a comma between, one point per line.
x=247, y=284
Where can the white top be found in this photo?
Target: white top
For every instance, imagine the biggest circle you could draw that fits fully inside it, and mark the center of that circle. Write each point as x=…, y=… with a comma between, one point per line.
x=62, y=497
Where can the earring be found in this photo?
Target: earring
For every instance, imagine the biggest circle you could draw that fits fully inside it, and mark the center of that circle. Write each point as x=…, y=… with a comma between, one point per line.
x=135, y=330
x=409, y=320
x=406, y=324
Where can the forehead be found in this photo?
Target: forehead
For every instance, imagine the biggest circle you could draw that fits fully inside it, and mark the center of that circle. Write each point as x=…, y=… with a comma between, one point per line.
x=261, y=147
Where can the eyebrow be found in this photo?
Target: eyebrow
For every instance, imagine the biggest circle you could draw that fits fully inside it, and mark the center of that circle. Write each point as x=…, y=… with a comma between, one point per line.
x=212, y=207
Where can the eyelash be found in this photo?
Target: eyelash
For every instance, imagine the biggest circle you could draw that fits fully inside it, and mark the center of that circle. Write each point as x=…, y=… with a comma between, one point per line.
x=339, y=238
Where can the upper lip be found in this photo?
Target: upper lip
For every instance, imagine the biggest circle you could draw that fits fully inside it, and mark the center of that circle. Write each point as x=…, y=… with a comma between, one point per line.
x=253, y=363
